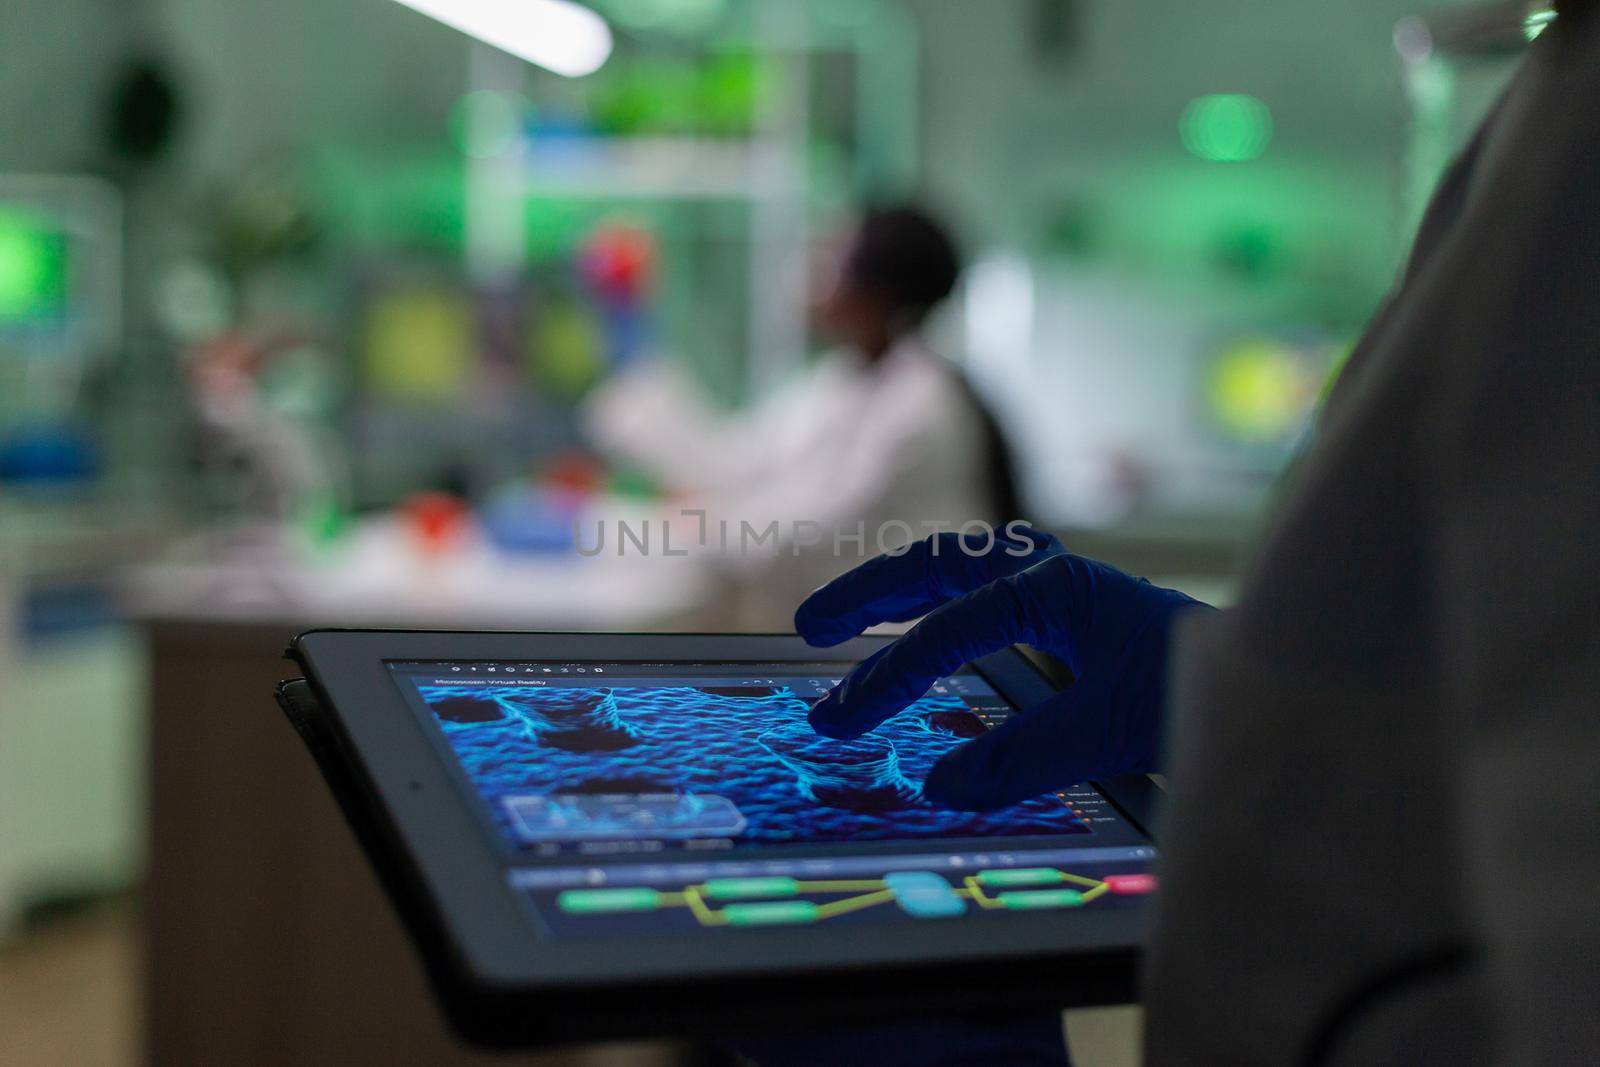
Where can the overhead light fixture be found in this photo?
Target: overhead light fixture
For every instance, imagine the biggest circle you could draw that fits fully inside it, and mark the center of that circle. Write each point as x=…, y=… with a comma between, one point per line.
x=557, y=35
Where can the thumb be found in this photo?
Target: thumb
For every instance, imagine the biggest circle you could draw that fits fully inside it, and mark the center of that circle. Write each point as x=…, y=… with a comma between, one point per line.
x=1055, y=744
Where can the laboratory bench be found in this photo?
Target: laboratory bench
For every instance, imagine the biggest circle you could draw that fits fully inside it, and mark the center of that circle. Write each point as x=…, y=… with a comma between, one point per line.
x=268, y=939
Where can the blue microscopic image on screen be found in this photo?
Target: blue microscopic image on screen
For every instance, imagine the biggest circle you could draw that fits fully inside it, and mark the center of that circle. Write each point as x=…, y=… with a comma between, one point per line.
x=676, y=761
x=622, y=816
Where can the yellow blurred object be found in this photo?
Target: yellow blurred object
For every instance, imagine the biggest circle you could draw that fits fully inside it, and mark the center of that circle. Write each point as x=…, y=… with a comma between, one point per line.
x=1260, y=390
x=565, y=349
x=419, y=343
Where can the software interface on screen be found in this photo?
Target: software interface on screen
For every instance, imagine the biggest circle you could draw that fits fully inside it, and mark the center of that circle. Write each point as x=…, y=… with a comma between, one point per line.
x=640, y=797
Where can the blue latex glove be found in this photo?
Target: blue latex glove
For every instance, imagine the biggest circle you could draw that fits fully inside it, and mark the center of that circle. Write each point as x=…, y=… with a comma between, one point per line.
x=1110, y=628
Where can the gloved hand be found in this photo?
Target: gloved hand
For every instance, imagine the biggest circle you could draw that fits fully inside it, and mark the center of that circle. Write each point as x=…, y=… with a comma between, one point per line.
x=1109, y=628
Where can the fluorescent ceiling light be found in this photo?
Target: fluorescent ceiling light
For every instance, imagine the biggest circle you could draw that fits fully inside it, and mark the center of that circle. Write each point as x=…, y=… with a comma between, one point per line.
x=558, y=35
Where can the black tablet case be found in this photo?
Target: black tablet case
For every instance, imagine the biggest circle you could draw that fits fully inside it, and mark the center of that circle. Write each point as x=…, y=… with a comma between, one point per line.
x=495, y=1018
x=477, y=1014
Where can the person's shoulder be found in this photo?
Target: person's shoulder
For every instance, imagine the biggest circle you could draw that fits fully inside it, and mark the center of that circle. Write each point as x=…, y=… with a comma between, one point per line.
x=941, y=381
x=912, y=364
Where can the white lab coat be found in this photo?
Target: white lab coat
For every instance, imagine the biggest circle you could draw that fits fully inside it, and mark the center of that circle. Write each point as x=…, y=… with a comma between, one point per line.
x=887, y=451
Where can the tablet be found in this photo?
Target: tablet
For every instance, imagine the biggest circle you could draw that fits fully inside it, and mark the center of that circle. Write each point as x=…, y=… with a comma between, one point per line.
x=605, y=834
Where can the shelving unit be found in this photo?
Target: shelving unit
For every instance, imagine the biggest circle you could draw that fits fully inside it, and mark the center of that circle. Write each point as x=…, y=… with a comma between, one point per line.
x=767, y=173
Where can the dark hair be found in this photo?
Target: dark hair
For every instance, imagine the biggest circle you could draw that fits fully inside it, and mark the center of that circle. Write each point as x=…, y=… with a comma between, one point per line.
x=903, y=255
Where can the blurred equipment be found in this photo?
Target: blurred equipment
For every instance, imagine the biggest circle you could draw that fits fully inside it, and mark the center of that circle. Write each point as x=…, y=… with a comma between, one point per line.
x=437, y=522
x=66, y=784
x=60, y=315
x=145, y=111
x=1261, y=391
x=262, y=402
x=715, y=144
x=618, y=262
x=268, y=216
x=419, y=342
x=566, y=346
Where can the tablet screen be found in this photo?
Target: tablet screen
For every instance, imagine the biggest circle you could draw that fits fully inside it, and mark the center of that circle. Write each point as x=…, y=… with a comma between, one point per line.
x=626, y=796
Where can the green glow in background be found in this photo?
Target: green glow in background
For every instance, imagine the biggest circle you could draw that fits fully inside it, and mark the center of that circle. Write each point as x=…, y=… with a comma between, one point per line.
x=33, y=267
x=1226, y=127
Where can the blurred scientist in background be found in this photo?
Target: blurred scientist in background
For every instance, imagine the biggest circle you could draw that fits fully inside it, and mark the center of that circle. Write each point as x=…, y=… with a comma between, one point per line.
x=876, y=444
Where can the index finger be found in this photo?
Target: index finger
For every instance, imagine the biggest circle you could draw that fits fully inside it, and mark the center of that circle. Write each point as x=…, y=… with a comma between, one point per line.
x=894, y=588
x=983, y=621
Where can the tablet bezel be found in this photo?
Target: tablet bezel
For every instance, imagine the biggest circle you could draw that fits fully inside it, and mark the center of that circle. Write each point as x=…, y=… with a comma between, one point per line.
x=445, y=846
